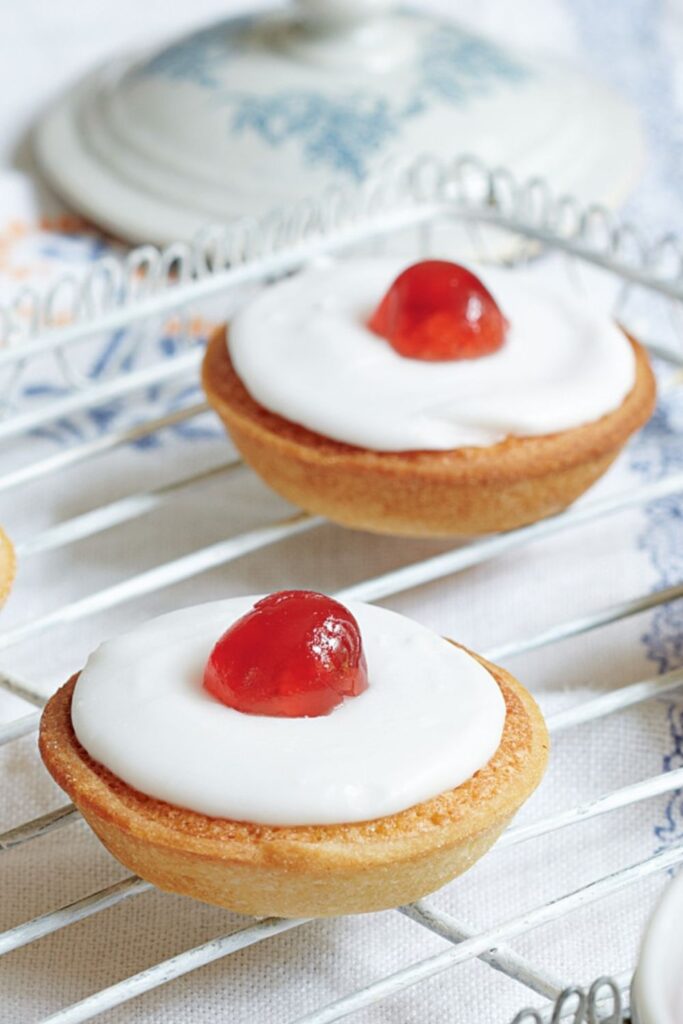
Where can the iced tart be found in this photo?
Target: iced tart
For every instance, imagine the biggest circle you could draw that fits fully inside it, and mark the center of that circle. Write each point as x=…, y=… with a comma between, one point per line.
x=290, y=755
x=429, y=399
x=7, y=566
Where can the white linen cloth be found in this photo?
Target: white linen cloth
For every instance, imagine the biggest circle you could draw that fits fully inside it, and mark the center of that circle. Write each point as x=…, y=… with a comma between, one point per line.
x=44, y=45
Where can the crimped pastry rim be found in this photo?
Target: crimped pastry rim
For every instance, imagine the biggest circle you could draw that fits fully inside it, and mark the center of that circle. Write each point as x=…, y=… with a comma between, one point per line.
x=510, y=460
x=489, y=798
x=8, y=566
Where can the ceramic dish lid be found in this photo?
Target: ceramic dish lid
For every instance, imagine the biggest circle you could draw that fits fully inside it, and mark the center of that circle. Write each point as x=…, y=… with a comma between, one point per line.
x=657, y=990
x=259, y=111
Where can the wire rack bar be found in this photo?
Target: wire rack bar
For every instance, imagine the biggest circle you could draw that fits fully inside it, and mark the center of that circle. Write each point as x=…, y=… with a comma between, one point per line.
x=585, y=623
x=430, y=569
x=89, y=449
x=119, y=387
x=616, y=700
x=37, y=827
x=53, y=921
x=31, y=931
x=468, y=949
x=416, y=195
x=21, y=689
x=14, y=938
x=205, y=287
x=580, y=625
x=164, y=576
x=489, y=940
x=18, y=727
x=616, y=800
x=587, y=253
x=502, y=959
x=116, y=512
x=594, y=1006
x=393, y=582
x=169, y=969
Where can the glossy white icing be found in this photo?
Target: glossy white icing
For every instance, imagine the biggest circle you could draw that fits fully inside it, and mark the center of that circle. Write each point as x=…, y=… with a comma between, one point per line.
x=302, y=349
x=431, y=717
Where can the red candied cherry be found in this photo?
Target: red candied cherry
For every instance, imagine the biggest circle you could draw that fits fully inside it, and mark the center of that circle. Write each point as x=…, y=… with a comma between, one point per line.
x=295, y=654
x=436, y=310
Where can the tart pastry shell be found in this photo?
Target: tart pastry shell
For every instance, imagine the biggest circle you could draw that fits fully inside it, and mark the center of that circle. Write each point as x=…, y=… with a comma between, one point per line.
x=462, y=492
x=8, y=566
x=304, y=871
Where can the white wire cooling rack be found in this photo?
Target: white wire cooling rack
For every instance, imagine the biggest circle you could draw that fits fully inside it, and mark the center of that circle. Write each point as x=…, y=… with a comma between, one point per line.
x=135, y=293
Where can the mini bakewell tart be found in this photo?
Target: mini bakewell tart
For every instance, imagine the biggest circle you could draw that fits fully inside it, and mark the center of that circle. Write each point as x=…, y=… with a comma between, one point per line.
x=411, y=401
x=314, y=760
x=8, y=566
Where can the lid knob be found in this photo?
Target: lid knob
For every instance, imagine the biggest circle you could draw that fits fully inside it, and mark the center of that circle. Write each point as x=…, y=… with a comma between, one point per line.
x=341, y=14
x=350, y=35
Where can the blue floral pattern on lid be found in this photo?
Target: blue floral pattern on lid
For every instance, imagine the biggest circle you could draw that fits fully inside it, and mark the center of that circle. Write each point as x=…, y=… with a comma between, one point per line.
x=342, y=130
x=456, y=66
x=341, y=133
x=198, y=57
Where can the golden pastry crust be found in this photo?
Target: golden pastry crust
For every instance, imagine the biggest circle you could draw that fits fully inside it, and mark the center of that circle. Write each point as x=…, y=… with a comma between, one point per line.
x=304, y=871
x=8, y=566
x=463, y=492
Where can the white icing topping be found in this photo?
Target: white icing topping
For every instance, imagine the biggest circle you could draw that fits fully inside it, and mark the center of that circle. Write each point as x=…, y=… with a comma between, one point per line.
x=430, y=718
x=302, y=350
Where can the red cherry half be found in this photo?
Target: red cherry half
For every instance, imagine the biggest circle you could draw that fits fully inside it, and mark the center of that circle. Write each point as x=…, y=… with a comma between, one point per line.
x=295, y=654
x=436, y=310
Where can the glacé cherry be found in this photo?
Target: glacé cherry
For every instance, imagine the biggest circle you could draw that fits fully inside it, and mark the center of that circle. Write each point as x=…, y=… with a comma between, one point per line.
x=297, y=653
x=437, y=310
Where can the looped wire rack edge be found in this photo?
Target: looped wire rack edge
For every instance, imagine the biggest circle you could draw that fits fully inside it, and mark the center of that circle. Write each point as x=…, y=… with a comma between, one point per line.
x=496, y=217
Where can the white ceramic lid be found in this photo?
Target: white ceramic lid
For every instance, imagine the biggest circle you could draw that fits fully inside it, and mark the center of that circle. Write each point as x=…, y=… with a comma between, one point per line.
x=657, y=991
x=255, y=112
